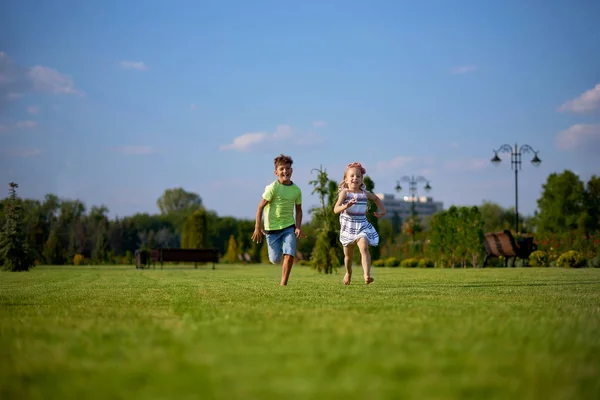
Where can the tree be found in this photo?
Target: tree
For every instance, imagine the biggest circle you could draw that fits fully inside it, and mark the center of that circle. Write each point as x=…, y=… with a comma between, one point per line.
x=372, y=207
x=561, y=203
x=194, y=231
x=176, y=200
x=592, y=205
x=495, y=218
x=325, y=254
x=15, y=253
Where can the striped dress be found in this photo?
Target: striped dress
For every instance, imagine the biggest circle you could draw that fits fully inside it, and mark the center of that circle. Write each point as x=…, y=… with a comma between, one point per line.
x=354, y=223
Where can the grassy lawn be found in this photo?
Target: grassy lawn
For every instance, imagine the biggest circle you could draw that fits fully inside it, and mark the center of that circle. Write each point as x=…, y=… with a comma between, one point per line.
x=233, y=333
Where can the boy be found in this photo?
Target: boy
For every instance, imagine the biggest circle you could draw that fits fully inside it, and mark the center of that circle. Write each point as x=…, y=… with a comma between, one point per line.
x=278, y=201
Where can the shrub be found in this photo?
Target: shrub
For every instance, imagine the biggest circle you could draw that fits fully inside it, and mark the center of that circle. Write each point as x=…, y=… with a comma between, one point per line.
x=379, y=263
x=571, y=259
x=425, y=263
x=306, y=263
x=409, y=263
x=594, y=262
x=391, y=262
x=539, y=258
x=78, y=259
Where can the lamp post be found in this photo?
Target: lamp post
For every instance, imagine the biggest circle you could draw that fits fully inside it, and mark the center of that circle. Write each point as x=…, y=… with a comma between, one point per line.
x=515, y=163
x=412, y=188
x=413, y=181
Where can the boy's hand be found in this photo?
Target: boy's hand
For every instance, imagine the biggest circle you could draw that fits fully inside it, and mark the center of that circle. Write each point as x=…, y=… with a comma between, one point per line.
x=379, y=214
x=299, y=233
x=257, y=235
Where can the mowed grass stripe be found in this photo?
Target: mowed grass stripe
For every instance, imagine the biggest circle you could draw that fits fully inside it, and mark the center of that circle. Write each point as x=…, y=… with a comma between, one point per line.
x=234, y=333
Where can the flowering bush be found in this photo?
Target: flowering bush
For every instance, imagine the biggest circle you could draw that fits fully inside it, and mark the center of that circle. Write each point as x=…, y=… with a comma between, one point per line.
x=379, y=263
x=539, y=258
x=571, y=259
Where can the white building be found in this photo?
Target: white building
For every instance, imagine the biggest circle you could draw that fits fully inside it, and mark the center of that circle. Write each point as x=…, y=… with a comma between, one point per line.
x=401, y=207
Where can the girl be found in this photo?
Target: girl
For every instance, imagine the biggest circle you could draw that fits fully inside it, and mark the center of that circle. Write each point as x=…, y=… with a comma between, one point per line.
x=354, y=226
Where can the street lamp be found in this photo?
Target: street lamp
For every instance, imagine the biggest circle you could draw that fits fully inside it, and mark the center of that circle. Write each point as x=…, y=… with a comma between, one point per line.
x=412, y=188
x=515, y=163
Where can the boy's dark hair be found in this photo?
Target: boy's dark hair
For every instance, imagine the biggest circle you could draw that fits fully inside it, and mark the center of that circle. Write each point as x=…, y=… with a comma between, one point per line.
x=282, y=160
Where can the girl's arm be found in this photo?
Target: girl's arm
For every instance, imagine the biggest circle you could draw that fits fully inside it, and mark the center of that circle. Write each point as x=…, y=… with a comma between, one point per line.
x=339, y=207
x=379, y=204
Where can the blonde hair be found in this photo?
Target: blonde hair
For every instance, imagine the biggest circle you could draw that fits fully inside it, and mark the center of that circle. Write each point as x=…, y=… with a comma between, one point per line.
x=344, y=186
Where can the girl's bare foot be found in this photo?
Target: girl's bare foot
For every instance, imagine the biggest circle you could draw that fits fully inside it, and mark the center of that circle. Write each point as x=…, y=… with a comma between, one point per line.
x=347, y=278
x=369, y=279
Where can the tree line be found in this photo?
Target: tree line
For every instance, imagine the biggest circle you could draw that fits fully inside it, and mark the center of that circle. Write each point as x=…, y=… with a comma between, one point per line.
x=65, y=231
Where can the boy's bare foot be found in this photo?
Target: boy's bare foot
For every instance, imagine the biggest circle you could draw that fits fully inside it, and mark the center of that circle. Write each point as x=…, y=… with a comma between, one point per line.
x=369, y=279
x=347, y=278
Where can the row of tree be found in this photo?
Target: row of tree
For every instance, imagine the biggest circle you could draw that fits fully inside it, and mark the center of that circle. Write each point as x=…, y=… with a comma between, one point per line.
x=57, y=230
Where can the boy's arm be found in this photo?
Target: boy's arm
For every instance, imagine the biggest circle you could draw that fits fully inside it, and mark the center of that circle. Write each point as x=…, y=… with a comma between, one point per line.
x=298, y=220
x=338, y=208
x=379, y=204
x=258, y=232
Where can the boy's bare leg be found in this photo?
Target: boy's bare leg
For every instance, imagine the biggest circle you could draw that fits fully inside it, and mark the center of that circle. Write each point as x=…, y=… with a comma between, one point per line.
x=348, y=256
x=286, y=268
x=365, y=255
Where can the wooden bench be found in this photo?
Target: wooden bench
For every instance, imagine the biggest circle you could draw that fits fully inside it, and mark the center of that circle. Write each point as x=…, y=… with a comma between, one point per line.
x=143, y=258
x=503, y=244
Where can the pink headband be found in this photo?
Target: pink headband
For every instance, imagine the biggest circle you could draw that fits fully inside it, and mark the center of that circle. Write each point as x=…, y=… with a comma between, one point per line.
x=357, y=165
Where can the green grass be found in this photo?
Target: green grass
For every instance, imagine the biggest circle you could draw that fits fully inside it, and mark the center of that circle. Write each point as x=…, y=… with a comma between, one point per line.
x=233, y=333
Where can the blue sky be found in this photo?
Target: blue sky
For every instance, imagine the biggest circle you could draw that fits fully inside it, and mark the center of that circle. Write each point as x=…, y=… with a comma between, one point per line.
x=113, y=102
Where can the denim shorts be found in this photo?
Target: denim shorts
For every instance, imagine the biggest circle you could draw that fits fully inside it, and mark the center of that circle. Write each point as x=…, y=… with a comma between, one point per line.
x=280, y=243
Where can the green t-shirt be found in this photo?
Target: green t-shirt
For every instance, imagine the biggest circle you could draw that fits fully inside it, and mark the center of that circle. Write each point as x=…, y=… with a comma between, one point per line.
x=279, y=212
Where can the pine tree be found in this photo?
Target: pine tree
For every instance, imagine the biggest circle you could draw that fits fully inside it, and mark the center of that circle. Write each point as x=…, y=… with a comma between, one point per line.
x=194, y=234
x=231, y=256
x=15, y=253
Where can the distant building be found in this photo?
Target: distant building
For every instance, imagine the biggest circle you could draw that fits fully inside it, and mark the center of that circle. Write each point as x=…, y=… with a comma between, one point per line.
x=424, y=206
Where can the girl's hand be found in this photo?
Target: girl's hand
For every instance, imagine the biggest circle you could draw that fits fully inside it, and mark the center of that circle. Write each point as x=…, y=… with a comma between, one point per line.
x=351, y=202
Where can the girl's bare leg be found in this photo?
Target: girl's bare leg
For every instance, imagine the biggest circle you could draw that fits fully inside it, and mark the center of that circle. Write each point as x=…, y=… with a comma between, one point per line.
x=365, y=255
x=348, y=255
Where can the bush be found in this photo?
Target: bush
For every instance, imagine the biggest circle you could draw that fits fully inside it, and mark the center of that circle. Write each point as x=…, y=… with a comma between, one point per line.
x=392, y=262
x=425, y=263
x=539, y=258
x=379, y=263
x=306, y=263
x=409, y=263
x=571, y=259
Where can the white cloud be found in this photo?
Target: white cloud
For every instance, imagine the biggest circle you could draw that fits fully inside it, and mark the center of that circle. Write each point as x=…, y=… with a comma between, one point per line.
x=395, y=163
x=137, y=65
x=48, y=80
x=33, y=109
x=587, y=101
x=26, y=124
x=15, y=80
x=464, y=69
x=245, y=141
x=133, y=150
x=466, y=165
x=250, y=140
x=577, y=136
x=20, y=152
x=318, y=124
